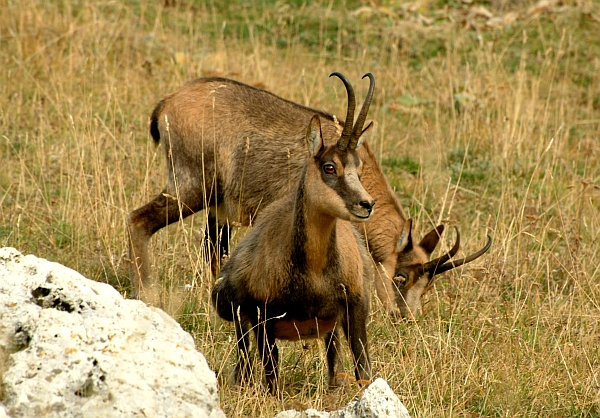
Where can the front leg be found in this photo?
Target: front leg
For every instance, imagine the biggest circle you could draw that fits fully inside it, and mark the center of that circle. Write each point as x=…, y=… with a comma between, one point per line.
x=243, y=368
x=335, y=355
x=355, y=328
x=265, y=341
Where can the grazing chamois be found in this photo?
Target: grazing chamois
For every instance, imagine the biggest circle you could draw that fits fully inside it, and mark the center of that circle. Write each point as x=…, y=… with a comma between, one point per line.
x=300, y=272
x=233, y=149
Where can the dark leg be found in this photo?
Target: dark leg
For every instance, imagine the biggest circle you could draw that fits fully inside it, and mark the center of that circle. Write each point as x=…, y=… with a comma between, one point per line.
x=335, y=355
x=143, y=222
x=355, y=328
x=265, y=341
x=217, y=240
x=243, y=367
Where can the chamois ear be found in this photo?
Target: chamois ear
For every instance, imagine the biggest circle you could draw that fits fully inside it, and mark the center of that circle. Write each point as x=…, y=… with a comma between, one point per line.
x=430, y=241
x=314, y=139
x=405, y=240
x=366, y=133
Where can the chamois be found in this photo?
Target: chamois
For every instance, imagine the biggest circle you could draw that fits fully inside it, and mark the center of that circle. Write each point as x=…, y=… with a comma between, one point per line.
x=233, y=149
x=300, y=272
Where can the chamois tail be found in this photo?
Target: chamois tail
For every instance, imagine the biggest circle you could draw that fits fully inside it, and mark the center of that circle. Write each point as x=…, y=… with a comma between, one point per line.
x=154, y=130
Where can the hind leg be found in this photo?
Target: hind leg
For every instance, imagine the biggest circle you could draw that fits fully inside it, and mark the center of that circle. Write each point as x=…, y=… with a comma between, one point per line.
x=217, y=243
x=143, y=222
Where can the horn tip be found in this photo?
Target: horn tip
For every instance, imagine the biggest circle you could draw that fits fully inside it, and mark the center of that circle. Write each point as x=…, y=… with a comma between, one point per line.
x=489, y=243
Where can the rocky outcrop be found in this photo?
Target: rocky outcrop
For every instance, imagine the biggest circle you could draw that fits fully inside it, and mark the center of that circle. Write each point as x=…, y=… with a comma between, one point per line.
x=377, y=401
x=72, y=347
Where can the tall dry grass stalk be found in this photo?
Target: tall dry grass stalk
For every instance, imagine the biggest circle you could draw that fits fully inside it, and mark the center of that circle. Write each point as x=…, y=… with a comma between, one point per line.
x=495, y=131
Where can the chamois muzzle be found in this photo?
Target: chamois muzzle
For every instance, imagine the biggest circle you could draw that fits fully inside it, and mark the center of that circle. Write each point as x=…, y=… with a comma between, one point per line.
x=368, y=206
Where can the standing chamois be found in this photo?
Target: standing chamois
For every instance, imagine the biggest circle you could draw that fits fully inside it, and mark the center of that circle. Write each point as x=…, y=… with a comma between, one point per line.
x=233, y=149
x=300, y=272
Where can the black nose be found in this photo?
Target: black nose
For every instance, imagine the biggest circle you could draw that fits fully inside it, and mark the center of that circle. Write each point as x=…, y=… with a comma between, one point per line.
x=367, y=205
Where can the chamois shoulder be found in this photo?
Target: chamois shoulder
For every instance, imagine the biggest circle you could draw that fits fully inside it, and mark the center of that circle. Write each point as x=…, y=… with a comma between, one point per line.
x=260, y=262
x=353, y=257
x=387, y=222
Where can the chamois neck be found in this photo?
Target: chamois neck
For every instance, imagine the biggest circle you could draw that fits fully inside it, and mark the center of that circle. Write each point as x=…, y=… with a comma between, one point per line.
x=314, y=232
x=373, y=178
x=382, y=240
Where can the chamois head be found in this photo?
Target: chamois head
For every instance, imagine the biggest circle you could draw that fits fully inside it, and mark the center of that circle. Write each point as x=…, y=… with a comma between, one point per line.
x=338, y=190
x=414, y=274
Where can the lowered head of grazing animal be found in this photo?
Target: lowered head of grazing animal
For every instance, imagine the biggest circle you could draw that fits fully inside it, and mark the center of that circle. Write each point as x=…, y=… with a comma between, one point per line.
x=414, y=274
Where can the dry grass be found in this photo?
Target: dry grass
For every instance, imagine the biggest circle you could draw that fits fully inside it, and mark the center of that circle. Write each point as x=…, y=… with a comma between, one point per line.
x=493, y=130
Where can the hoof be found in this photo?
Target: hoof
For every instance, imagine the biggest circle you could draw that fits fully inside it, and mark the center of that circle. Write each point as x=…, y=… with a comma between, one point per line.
x=341, y=379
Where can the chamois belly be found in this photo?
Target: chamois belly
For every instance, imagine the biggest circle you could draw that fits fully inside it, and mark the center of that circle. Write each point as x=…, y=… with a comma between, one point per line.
x=294, y=330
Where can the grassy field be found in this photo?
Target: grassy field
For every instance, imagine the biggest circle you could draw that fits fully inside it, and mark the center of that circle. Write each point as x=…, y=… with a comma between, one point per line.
x=488, y=118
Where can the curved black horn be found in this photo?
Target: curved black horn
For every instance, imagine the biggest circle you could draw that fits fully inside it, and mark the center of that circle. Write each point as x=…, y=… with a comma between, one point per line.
x=362, y=116
x=432, y=266
x=452, y=264
x=347, y=132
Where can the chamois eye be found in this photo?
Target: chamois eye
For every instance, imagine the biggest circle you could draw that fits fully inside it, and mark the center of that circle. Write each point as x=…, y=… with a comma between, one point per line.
x=329, y=168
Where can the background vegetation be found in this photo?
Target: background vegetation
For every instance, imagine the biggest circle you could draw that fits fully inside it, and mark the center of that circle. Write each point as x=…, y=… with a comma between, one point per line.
x=488, y=118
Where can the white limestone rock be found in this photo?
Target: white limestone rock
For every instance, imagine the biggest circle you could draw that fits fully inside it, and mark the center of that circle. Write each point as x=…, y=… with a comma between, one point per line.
x=377, y=401
x=73, y=347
